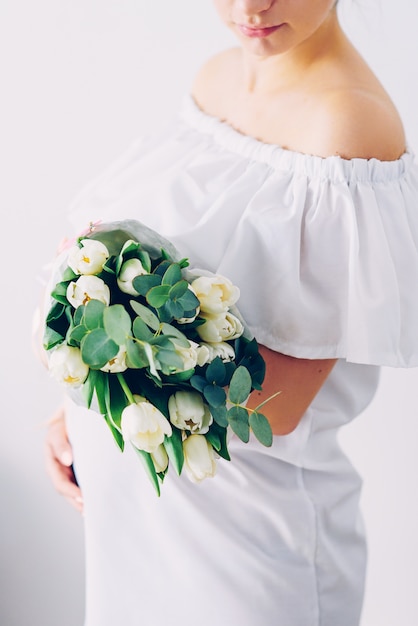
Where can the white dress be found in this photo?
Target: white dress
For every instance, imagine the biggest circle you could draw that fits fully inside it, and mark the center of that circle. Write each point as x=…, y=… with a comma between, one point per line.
x=325, y=252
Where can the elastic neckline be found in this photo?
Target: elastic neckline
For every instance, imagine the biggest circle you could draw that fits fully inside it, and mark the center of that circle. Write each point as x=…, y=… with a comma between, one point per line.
x=279, y=158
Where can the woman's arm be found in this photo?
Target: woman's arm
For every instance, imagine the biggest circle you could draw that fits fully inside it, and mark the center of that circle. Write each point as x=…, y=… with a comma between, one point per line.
x=298, y=381
x=59, y=459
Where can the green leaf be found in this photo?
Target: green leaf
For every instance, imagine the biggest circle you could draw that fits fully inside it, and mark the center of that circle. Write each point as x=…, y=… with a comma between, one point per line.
x=68, y=275
x=136, y=356
x=179, y=289
x=77, y=334
x=118, y=401
x=149, y=468
x=172, y=331
x=174, y=448
x=214, y=395
x=51, y=338
x=198, y=382
x=59, y=292
x=261, y=428
x=145, y=282
x=97, y=348
x=162, y=267
x=213, y=437
x=174, y=309
x=117, y=323
x=89, y=386
x=158, y=296
x=172, y=275
x=238, y=420
x=144, y=313
x=93, y=314
x=141, y=330
x=240, y=386
x=55, y=312
x=219, y=414
x=189, y=301
x=215, y=372
x=78, y=314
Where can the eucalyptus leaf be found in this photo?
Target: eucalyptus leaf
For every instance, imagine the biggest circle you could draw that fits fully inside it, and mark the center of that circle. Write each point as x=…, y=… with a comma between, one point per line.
x=238, y=420
x=172, y=331
x=77, y=333
x=189, y=301
x=78, y=315
x=219, y=414
x=162, y=267
x=172, y=275
x=93, y=314
x=214, y=395
x=97, y=348
x=174, y=309
x=198, y=382
x=144, y=313
x=240, y=386
x=117, y=323
x=215, y=372
x=179, y=289
x=261, y=428
x=141, y=330
x=145, y=282
x=136, y=356
x=158, y=296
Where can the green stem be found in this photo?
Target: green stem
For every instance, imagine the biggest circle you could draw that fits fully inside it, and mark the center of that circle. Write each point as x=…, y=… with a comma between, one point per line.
x=126, y=390
x=268, y=400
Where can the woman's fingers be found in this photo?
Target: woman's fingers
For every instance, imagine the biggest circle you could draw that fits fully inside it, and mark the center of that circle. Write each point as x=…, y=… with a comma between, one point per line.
x=59, y=458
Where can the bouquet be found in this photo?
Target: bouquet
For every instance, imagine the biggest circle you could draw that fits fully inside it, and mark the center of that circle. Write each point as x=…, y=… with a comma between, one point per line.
x=158, y=349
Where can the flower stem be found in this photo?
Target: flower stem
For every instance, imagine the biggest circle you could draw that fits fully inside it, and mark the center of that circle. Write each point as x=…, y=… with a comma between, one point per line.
x=126, y=390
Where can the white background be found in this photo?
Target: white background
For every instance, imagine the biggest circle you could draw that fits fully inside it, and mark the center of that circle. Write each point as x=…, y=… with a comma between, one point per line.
x=79, y=79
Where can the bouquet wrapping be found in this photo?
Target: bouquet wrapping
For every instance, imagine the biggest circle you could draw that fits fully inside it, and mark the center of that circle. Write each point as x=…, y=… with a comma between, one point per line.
x=159, y=349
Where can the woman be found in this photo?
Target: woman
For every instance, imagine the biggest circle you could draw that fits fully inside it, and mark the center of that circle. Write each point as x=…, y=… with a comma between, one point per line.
x=287, y=172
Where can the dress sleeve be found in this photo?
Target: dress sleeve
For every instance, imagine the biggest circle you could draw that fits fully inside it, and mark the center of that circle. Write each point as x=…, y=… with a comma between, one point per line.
x=329, y=264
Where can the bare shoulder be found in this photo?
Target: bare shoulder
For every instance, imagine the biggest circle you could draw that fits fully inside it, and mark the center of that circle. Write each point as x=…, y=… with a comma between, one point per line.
x=213, y=74
x=357, y=123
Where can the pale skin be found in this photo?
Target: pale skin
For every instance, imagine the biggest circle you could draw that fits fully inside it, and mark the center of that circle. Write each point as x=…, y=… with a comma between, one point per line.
x=295, y=81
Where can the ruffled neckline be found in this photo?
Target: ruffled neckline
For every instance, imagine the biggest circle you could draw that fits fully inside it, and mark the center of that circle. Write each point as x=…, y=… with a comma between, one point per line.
x=333, y=168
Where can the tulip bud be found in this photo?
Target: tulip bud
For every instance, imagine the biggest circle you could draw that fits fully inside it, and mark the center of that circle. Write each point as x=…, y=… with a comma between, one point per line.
x=67, y=366
x=89, y=258
x=199, y=460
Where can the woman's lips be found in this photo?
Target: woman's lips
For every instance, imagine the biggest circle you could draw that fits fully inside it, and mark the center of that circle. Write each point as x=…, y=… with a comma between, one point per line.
x=250, y=31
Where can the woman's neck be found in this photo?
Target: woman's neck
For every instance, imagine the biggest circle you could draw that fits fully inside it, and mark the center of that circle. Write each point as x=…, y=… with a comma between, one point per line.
x=263, y=74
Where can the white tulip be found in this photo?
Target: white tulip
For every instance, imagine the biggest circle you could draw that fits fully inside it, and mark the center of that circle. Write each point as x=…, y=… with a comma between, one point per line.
x=222, y=349
x=220, y=328
x=160, y=459
x=130, y=269
x=199, y=459
x=87, y=288
x=89, y=259
x=188, y=412
x=67, y=366
x=216, y=293
x=144, y=425
x=117, y=364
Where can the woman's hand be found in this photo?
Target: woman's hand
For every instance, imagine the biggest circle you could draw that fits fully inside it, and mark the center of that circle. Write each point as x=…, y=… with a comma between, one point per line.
x=59, y=459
